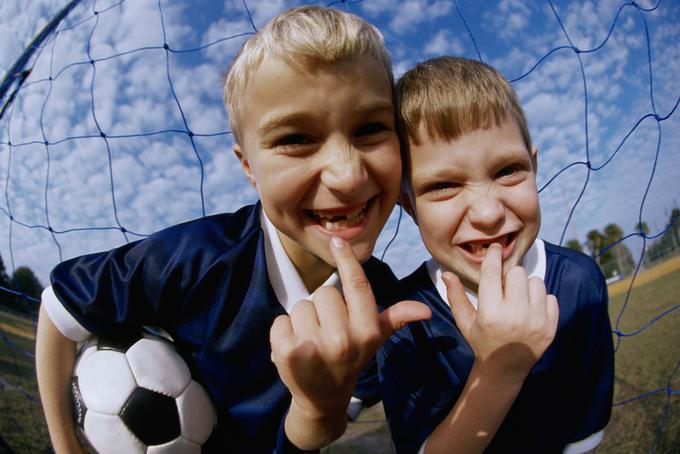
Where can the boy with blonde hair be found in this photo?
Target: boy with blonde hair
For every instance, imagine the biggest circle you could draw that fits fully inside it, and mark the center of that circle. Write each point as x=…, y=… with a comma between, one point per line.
x=251, y=298
x=470, y=186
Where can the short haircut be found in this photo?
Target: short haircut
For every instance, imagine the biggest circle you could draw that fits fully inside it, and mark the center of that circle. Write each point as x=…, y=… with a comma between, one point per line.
x=451, y=96
x=301, y=37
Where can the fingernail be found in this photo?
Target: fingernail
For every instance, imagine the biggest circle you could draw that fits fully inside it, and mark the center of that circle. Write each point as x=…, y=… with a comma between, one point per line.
x=337, y=242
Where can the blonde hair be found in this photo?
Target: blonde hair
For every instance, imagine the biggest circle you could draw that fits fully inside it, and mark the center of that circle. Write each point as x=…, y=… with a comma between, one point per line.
x=301, y=37
x=451, y=96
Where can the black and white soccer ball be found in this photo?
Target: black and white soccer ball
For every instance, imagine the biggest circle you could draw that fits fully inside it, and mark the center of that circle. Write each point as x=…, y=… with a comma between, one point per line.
x=133, y=393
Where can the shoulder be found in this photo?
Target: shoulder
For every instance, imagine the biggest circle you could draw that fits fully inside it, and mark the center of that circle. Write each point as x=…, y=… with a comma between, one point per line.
x=568, y=266
x=226, y=228
x=577, y=282
x=199, y=241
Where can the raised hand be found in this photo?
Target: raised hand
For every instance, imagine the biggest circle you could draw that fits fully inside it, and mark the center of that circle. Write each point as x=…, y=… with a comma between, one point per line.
x=513, y=324
x=320, y=349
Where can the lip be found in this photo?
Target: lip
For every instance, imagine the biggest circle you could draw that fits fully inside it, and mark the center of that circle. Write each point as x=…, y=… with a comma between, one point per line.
x=346, y=233
x=508, y=249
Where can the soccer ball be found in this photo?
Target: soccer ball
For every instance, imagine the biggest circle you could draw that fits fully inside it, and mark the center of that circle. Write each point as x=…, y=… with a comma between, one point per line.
x=133, y=393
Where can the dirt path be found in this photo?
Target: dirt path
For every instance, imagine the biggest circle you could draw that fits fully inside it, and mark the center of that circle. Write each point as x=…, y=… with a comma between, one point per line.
x=645, y=276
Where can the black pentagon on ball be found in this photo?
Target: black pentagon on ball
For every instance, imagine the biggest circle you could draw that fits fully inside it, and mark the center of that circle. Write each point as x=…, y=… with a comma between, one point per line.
x=119, y=341
x=151, y=417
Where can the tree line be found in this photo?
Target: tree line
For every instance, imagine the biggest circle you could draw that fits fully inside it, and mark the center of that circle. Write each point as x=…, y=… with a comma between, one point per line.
x=24, y=282
x=615, y=259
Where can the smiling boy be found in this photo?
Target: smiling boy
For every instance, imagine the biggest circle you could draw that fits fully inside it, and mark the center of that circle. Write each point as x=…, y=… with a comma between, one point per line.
x=309, y=99
x=470, y=185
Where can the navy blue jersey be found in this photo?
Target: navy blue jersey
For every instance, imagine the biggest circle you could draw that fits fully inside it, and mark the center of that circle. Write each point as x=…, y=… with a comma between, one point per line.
x=567, y=396
x=205, y=282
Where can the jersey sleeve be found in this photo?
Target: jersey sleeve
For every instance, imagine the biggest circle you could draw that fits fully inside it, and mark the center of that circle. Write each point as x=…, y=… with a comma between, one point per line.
x=127, y=286
x=62, y=318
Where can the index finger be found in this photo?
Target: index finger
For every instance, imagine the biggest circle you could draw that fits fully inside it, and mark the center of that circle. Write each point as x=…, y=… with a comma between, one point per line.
x=490, y=275
x=355, y=285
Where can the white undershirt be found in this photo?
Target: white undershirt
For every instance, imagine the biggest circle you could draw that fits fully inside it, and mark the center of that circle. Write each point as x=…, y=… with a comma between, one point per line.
x=534, y=263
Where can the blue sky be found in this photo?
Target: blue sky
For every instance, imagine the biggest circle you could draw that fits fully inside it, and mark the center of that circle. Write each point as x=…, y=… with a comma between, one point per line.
x=156, y=175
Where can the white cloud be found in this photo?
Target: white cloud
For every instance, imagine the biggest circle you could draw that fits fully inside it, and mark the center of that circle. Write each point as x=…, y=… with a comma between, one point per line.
x=444, y=43
x=508, y=19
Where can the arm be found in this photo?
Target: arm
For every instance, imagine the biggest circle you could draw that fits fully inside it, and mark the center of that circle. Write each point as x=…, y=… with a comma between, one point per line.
x=55, y=356
x=321, y=348
x=510, y=330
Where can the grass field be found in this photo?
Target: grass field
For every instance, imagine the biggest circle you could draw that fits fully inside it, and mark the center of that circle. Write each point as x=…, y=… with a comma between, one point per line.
x=644, y=364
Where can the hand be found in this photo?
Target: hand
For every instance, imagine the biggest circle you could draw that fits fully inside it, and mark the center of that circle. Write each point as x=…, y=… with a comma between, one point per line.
x=513, y=324
x=320, y=349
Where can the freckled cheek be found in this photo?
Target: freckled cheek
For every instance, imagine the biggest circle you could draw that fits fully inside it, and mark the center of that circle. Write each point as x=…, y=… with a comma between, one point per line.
x=388, y=170
x=438, y=225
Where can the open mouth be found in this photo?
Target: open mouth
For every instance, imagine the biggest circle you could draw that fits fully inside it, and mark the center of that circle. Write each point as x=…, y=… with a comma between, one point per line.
x=339, y=219
x=480, y=247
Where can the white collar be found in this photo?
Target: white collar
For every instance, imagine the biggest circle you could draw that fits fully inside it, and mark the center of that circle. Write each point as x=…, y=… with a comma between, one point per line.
x=286, y=281
x=534, y=262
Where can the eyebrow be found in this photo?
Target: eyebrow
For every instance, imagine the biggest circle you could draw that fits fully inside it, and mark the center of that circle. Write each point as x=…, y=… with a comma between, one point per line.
x=285, y=118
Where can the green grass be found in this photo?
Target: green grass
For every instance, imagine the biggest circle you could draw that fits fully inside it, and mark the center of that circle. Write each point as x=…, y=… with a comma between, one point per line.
x=644, y=363
x=22, y=424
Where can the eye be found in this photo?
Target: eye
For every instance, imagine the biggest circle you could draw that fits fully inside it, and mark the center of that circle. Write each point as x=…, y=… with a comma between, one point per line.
x=292, y=140
x=510, y=171
x=373, y=128
x=441, y=188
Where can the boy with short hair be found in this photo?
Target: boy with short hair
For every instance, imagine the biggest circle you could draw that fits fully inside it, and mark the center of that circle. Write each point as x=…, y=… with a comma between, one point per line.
x=470, y=186
x=310, y=104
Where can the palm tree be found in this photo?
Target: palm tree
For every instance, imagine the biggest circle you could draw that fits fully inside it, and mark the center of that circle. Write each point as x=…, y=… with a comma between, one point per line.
x=642, y=227
x=594, y=241
x=575, y=245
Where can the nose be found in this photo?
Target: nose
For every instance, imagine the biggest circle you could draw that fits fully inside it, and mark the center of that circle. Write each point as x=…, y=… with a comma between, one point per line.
x=344, y=172
x=486, y=210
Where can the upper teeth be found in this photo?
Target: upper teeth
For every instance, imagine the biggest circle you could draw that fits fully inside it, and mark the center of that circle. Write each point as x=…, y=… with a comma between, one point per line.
x=477, y=246
x=341, y=221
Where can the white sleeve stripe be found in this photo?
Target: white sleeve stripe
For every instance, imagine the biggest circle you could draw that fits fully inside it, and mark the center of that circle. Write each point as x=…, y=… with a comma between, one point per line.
x=422, y=447
x=354, y=408
x=62, y=318
x=585, y=445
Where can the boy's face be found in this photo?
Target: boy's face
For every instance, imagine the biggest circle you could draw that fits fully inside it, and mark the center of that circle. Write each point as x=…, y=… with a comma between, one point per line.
x=474, y=191
x=319, y=145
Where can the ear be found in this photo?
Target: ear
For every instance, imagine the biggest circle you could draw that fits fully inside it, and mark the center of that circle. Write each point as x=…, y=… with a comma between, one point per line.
x=534, y=158
x=245, y=164
x=408, y=204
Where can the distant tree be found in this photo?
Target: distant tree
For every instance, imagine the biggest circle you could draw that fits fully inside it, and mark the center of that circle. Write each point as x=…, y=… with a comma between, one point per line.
x=674, y=222
x=620, y=252
x=642, y=227
x=575, y=245
x=594, y=242
x=4, y=279
x=25, y=281
x=6, y=299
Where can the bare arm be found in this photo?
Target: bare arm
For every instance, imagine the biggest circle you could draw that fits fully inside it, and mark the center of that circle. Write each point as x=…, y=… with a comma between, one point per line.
x=508, y=332
x=54, y=360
